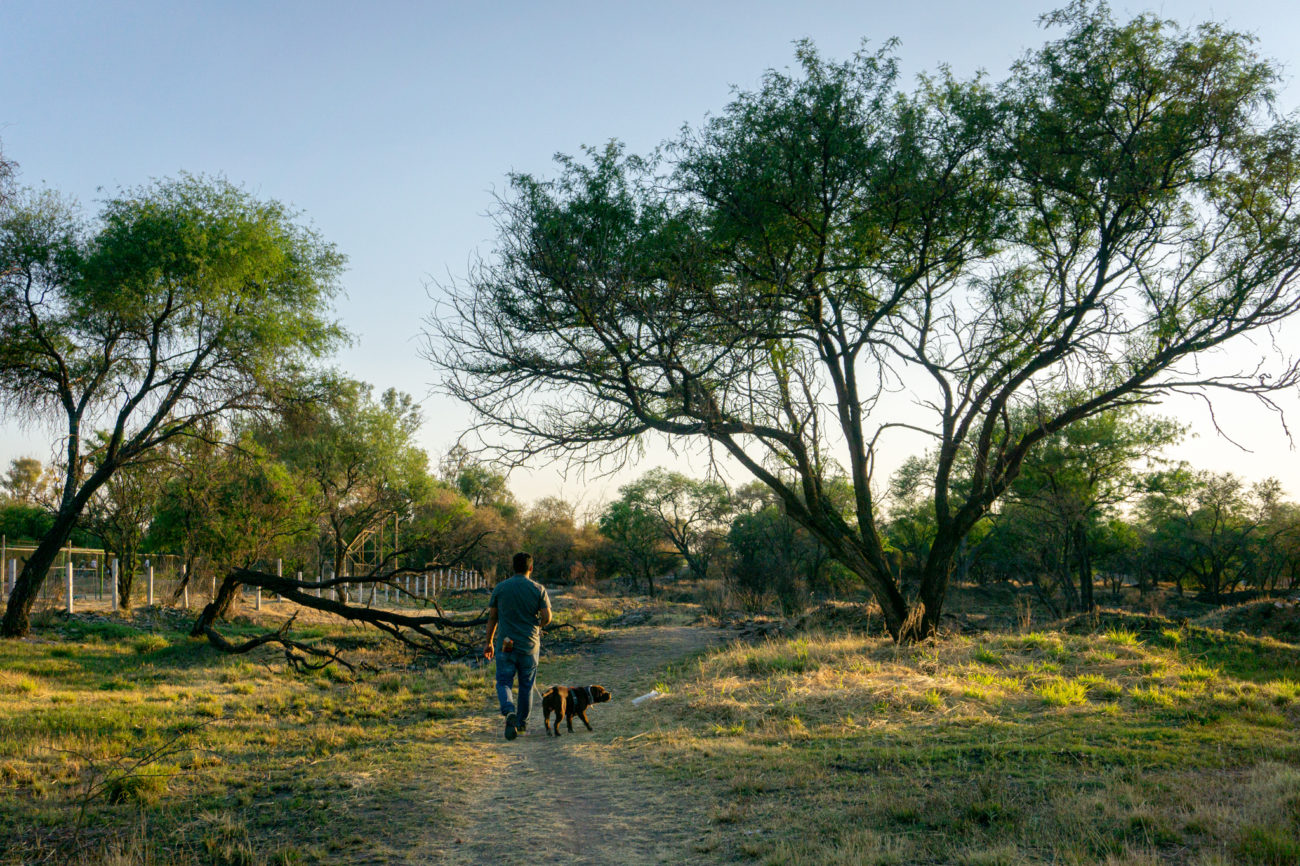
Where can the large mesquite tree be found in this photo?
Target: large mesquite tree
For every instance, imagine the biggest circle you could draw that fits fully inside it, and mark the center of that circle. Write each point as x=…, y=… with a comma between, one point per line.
x=186, y=300
x=1017, y=257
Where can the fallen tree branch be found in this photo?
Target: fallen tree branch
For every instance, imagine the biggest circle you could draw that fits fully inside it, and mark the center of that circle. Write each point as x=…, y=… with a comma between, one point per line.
x=295, y=652
x=435, y=633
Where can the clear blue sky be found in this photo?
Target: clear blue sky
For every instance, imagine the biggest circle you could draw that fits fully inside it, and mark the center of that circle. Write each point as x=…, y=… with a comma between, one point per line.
x=390, y=124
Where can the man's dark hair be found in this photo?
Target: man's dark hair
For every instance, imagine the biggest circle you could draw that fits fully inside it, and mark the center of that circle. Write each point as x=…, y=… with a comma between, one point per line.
x=522, y=563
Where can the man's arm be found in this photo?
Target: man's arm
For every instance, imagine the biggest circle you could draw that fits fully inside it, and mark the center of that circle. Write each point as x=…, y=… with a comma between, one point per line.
x=544, y=612
x=492, y=630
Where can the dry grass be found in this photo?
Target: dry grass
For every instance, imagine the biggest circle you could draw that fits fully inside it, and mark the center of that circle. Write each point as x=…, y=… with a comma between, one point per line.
x=1128, y=745
x=180, y=754
x=257, y=764
x=1127, y=740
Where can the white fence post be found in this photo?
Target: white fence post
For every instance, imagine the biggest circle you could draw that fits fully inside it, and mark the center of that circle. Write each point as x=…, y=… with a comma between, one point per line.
x=70, y=610
x=185, y=593
x=148, y=565
x=116, y=566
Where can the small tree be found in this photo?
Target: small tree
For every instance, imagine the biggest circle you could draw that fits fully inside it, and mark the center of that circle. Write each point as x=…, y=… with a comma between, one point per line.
x=358, y=456
x=1207, y=527
x=26, y=481
x=189, y=299
x=693, y=514
x=478, y=482
x=636, y=541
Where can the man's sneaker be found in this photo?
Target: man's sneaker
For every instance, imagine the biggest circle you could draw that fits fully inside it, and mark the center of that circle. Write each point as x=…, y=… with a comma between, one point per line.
x=521, y=729
x=511, y=730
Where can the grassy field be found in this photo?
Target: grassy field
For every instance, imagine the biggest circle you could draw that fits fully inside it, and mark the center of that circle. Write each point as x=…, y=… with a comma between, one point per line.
x=1135, y=741
x=1125, y=739
x=122, y=740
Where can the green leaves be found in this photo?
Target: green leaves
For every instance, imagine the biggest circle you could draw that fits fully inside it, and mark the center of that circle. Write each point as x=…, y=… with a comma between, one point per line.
x=185, y=290
x=1050, y=247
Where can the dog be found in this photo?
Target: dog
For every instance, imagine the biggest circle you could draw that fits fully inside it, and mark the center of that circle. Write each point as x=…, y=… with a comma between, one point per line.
x=570, y=701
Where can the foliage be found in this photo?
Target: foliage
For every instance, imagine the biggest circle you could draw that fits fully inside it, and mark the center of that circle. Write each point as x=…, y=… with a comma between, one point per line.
x=358, y=454
x=1022, y=256
x=692, y=514
x=1214, y=531
x=187, y=300
x=477, y=481
x=636, y=540
x=120, y=512
x=1054, y=525
x=19, y=521
x=26, y=481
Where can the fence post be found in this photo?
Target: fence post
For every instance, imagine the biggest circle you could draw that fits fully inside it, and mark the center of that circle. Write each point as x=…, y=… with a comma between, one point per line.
x=148, y=566
x=185, y=569
x=70, y=584
x=116, y=566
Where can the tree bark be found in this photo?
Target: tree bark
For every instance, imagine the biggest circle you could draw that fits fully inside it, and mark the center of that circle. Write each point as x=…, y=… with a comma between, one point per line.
x=1086, y=602
x=218, y=607
x=17, y=620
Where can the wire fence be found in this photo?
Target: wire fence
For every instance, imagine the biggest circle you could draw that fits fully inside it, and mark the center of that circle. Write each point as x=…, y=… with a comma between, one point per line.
x=82, y=577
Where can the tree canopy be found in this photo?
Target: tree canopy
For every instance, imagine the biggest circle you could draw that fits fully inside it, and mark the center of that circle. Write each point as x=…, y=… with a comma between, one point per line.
x=1018, y=256
x=184, y=301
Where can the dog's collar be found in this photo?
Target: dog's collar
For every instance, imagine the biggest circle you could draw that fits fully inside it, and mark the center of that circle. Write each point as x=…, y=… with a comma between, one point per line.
x=587, y=689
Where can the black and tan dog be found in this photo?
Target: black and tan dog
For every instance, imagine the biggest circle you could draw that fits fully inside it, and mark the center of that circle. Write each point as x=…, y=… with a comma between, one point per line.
x=569, y=701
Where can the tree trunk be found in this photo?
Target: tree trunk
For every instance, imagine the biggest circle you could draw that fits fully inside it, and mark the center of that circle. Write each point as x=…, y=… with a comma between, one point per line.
x=923, y=621
x=17, y=620
x=1086, y=602
x=125, y=579
x=187, y=574
x=218, y=607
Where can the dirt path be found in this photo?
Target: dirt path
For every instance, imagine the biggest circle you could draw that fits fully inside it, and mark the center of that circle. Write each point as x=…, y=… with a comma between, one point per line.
x=586, y=797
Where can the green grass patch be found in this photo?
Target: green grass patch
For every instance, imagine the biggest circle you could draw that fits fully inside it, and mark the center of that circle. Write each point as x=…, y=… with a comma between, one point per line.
x=1062, y=693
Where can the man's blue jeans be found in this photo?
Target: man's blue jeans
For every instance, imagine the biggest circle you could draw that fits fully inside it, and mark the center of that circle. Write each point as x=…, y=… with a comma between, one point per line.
x=512, y=665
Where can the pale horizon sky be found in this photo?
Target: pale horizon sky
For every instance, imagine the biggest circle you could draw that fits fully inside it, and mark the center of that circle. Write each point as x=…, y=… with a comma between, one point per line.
x=390, y=126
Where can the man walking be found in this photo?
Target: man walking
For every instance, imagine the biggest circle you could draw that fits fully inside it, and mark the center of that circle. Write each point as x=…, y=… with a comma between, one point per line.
x=517, y=610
